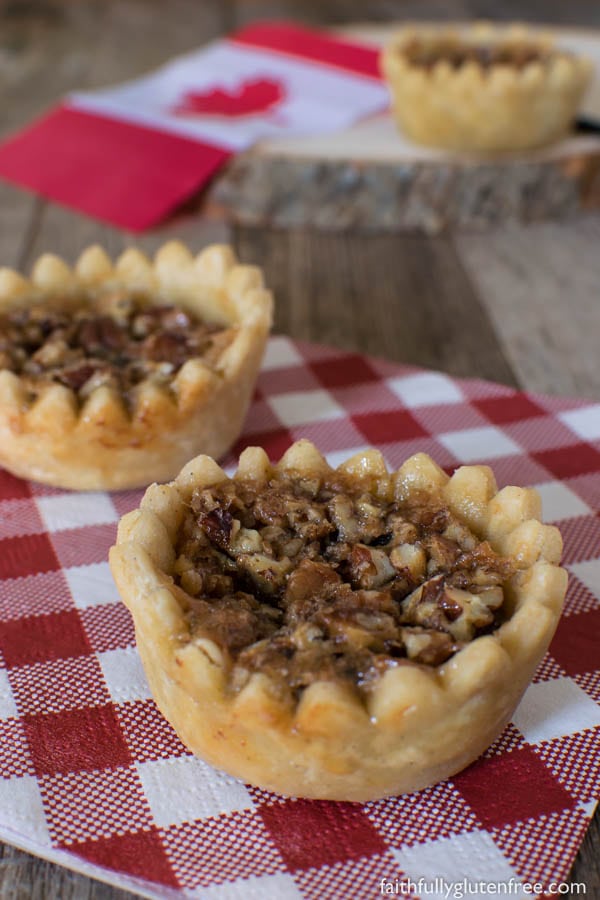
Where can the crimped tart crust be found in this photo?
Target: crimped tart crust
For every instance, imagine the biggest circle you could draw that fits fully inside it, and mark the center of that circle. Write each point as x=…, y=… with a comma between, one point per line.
x=484, y=87
x=346, y=634
x=115, y=375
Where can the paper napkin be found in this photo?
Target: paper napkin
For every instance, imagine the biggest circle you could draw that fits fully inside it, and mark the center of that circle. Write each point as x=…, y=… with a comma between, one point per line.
x=93, y=777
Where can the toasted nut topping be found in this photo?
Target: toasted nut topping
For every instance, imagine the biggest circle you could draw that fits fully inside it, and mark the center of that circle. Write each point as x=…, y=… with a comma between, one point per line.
x=332, y=583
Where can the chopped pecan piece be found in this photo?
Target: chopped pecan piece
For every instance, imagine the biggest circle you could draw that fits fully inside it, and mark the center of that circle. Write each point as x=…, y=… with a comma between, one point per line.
x=217, y=525
x=127, y=337
x=347, y=584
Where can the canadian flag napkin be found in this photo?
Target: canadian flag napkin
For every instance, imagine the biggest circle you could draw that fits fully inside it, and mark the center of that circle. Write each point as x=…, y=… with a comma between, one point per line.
x=130, y=154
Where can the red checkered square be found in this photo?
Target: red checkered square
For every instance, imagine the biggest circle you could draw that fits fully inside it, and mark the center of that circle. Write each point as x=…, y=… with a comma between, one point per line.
x=260, y=420
x=386, y=427
x=366, y=398
x=35, y=595
x=581, y=538
x=15, y=759
x=543, y=848
x=126, y=501
x=345, y=371
x=575, y=644
x=574, y=762
x=89, y=805
x=590, y=683
x=274, y=443
x=328, y=438
x=286, y=379
x=19, y=517
x=587, y=487
x=528, y=788
x=521, y=471
x=84, y=546
x=259, y=796
x=82, y=749
x=108, y=627
x=148, y=734
x=43, y=638
x=44, y=490
x=548, y=669
x=221, y=848
x=78, y=740
x=13, y=488
x=141, y=854
x=316, y=833
x=476, y=389
x=62, y=684
x=352, y=880
x=565, y=462
x=579, y=597
x=539, y=434
x=510, y=739
x=555, y=403
x=504, y=410
x=317, y=352
x=396, y=454
x=443, y=417
x=437, y=812
x=26, y=554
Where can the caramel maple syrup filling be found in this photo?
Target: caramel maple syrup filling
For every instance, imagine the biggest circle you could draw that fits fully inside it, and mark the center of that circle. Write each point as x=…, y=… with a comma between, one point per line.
x=307, y=580
x=119, y=340
x=426, y=54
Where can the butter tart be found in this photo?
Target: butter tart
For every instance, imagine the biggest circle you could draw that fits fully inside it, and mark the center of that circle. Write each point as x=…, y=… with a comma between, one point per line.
x=483, y=88
x=343, y=634
x=115, y=375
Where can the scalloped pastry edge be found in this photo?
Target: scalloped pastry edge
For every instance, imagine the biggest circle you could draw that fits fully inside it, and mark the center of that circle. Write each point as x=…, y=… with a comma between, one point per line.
x=450, y=107
x=100, y=445
x=421, y=725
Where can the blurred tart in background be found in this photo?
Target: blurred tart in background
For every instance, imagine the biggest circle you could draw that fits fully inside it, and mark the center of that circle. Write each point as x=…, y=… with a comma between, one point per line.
x=483, y=88
x=115, y=375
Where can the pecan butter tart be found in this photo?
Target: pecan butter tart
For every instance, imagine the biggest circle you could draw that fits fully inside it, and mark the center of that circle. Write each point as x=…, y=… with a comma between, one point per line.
x=344, y=634
x=484, y=87
x=115, y=375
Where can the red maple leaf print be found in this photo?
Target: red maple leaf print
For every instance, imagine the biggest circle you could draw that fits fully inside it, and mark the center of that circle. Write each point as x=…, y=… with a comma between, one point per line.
x=248, y=99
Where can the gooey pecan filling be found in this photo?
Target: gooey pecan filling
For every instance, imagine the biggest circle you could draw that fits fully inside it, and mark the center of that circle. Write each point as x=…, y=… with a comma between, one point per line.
x=308, y=581
x=118, y=340
x=456, y=54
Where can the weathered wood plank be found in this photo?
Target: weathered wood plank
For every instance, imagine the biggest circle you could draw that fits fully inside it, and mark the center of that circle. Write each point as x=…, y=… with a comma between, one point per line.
x=25, y=877
x=407, y=299
x=123, y=50
x=540, y=288
x=335, y=12
x=193, y=229
x=344, y=183
x=580, y=12
x=49, y=48
x=44, y=50
x=586, y=868
x=19, y=213
x=62, y=231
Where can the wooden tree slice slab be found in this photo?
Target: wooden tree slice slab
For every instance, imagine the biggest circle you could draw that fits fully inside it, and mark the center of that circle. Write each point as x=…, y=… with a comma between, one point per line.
x=372, y=178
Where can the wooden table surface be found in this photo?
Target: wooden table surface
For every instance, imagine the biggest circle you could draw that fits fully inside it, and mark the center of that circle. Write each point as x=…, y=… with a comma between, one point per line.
x=518, y=305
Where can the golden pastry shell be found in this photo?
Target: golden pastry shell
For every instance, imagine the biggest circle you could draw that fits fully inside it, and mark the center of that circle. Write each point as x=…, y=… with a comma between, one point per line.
x=471, y=108
x=420, y=724
x=100, y=444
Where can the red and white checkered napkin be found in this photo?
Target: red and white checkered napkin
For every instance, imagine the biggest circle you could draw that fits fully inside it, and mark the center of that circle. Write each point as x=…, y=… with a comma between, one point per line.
x=92, y=776
x=130, y=154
